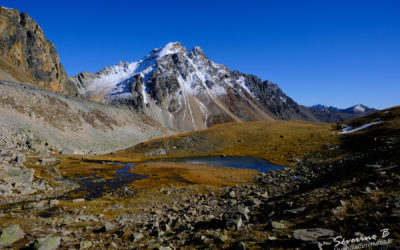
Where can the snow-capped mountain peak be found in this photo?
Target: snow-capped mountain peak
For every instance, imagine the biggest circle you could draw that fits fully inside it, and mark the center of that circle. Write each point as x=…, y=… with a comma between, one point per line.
x=359, y=108
x=184, y=90
x=169, y=49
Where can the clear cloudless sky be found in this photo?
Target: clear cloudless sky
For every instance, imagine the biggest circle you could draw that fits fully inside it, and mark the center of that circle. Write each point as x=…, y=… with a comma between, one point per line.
x=338, y=53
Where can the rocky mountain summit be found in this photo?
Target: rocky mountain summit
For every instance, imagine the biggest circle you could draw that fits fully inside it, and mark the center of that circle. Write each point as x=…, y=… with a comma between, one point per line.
x=184, y=90
x=26, y=56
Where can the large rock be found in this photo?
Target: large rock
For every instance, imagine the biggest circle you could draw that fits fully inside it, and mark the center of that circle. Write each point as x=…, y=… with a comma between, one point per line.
x=10, y=235
x=47, y=243
x=16, y=179
x=312, y=234
x=16, y=175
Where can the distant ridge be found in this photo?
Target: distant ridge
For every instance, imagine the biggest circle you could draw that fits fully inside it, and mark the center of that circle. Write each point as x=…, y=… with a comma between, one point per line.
x=332, y=114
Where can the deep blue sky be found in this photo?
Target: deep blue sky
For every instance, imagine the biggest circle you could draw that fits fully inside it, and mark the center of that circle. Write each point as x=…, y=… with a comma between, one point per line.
x=336, y=53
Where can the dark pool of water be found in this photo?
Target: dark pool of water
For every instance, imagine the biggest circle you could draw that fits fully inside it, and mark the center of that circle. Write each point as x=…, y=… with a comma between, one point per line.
x=229, y=161
x=93, y=187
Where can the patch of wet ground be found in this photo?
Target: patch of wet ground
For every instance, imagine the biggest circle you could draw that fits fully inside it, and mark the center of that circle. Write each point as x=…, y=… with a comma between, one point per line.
x=94, y=187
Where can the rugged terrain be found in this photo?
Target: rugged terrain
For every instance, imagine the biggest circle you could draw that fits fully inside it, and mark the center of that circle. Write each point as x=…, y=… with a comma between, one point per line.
x=348, y=188
x=26, y=56
x=56, y=191
x=70, y=125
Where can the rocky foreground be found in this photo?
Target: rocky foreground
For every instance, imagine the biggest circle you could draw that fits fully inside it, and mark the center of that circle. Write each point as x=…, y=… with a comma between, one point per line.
x=307, y=206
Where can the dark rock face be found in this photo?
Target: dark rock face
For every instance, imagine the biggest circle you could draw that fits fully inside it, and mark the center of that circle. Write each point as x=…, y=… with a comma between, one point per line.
x=273, y=98
x=27, y=56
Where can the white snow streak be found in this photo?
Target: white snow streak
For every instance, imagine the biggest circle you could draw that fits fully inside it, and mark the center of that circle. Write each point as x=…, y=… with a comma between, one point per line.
x=351, y=130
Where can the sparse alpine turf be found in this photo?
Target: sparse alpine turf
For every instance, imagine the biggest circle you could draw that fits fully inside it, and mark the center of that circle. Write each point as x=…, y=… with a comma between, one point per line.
x=277, y=141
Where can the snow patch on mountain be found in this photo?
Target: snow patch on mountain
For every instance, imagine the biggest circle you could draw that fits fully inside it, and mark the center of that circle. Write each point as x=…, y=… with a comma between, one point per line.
x=359, y=108
x=351, y=130
x=169, y=49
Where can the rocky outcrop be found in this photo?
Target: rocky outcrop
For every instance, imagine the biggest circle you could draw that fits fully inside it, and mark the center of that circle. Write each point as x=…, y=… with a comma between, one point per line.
x=26, y=56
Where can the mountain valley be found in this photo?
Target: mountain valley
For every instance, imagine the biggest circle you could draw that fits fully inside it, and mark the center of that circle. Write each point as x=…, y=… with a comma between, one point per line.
x=89, y=161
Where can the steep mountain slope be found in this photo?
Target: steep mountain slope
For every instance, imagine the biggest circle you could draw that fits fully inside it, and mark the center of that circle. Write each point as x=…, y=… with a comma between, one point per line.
x=333, y=114
x=44, y=119
x=26, y=55
x=184, y=90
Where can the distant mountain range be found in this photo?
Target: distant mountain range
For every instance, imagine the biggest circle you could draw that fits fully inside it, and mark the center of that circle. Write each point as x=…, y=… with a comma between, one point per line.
x=333, y=114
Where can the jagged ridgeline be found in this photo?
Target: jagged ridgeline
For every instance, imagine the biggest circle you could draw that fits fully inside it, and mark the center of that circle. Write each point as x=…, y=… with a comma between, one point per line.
x=26, y=56
x=184, y=90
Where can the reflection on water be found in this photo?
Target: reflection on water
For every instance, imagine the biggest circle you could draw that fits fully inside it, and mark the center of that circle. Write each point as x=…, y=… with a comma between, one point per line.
x=229, y=161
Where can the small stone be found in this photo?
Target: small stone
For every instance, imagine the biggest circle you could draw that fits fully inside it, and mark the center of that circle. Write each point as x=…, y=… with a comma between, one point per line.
x=165, y=248
x=224, y=238
x=20, y=158
x=312, y=234
x=232, y=194
x=244, y=211
x=256, y=202
x=337, y=210
x=78, y=200
x=10, y=235
x=54, y=202
x=295, y=210
x=137, y=237
x=153, y=245
x=85, y=244
x=368, y=190
x=47, y=243
x=278, y=225
x=109, y=226
x=295, y=160
x=239, y=223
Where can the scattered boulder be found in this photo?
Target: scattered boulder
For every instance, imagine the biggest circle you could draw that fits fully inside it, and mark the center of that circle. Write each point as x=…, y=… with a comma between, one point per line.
x=10, y=235
x=312, y=234
x=78, y=200
x=278, y=225
x=85, y=244
x=20, y=158
x=160, y=151
x=47, y=243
